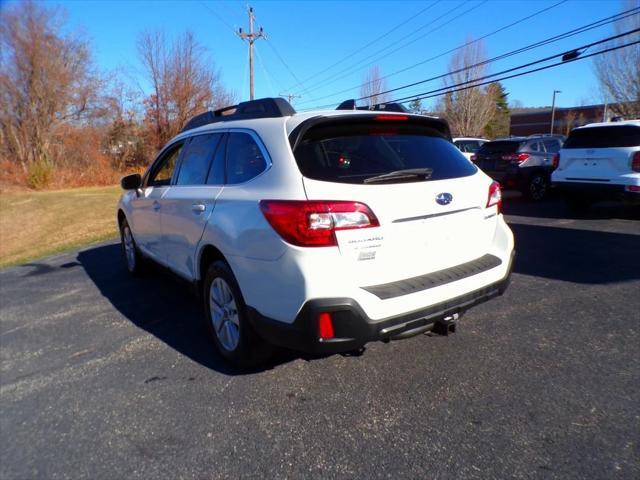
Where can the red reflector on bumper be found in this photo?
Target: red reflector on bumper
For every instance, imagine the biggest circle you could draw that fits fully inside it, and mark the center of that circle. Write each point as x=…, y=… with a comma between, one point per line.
x=325, y=326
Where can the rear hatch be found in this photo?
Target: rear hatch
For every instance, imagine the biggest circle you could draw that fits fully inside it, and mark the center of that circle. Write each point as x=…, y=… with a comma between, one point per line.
x=346, y=160
x=495, y=158
x=599, y=154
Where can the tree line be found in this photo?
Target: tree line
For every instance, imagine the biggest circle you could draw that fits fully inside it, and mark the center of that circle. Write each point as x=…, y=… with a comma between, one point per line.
x=64, y=123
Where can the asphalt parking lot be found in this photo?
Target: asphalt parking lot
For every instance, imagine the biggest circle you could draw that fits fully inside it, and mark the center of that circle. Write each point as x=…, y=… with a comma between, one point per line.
x=104, y=376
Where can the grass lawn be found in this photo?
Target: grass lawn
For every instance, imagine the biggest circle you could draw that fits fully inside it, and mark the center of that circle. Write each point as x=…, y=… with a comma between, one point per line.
x=37, y=224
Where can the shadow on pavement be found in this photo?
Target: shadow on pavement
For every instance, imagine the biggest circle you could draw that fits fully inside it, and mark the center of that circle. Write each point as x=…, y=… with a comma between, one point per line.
x=572, y=255
x=161, y=304
x=556, y=208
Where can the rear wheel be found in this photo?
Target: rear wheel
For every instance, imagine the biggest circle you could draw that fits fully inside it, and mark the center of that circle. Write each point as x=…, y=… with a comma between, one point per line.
x=537, y=187
x=227, y=319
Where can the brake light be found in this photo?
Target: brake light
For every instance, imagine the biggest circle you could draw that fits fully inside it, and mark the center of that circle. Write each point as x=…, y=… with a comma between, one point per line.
x=313, y=223
x=556, y=161
x=397, y=118
x=473, y=158
x=325, y=326
x=495, y=196
x=635, y=163
x=516, y=158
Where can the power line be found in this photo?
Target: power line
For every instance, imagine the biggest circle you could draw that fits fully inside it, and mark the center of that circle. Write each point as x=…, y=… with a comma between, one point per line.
x=355, y=52
x=474, y=82
x=564, y=62
x=576, y=31
x=218, y=16
x=349, y=70
x=266, y=72
x=532, y=46
x=272, y=46
x=523, y=19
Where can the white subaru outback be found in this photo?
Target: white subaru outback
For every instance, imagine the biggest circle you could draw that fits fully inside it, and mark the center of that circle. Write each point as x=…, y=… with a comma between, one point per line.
x=319, y=231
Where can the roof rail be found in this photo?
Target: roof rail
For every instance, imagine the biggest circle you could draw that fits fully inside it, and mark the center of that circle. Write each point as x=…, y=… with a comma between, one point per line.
x=261, y=108
x=387, y=107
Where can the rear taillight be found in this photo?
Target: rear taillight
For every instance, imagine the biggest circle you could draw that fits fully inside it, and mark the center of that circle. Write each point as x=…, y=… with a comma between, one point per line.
x=313, y=223
x=473, y=158
x=556, y=160
x=635, y=162
x=495, y=196
x=516, y=158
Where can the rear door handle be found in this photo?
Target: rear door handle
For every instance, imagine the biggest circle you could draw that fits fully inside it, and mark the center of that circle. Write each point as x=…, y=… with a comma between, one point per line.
x=156, y=205
x=198, y=207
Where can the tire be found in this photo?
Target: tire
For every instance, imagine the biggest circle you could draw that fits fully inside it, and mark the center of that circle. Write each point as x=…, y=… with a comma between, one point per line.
x=227, y=319
x=132, y=256
x=537, y=187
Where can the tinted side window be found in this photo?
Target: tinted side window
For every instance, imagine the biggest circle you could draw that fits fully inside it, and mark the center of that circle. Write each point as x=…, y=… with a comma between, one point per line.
x=166, y=165
x=244, y=158
x=196, y=159
x=552, y=146
x=467, y=146
x=216, y=171
x=603, y=137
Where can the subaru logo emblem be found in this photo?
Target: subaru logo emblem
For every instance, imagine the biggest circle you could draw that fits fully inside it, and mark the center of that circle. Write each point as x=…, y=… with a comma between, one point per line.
x=444, y=198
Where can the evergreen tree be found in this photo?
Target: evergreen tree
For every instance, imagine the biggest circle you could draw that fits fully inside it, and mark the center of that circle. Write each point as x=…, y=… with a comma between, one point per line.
x=500, y=123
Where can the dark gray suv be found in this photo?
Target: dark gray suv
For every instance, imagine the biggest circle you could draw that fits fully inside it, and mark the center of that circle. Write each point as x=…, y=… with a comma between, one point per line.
x=521, y=163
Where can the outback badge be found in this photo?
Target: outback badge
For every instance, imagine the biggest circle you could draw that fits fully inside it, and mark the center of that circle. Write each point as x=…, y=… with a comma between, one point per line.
x=444, y=198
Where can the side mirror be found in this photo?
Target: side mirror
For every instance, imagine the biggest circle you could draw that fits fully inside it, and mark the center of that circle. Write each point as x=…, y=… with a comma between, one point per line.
x=131, y=182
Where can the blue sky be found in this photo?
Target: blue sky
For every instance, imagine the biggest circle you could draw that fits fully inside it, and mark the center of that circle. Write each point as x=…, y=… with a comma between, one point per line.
x=311, y=36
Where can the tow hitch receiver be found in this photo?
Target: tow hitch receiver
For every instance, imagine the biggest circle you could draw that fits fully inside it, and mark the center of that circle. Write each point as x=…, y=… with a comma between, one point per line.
x=447, y=325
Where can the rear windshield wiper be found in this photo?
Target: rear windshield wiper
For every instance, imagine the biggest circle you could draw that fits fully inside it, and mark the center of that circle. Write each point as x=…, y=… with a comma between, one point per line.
x=402, y=175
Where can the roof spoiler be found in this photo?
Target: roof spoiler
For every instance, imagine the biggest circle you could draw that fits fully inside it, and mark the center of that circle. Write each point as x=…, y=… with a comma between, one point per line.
x=261, y=108
x=387, y=107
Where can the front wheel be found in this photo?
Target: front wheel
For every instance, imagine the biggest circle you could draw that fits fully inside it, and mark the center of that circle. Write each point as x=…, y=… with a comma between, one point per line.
x=132, y=257
x=537, y=187
x=227, y=319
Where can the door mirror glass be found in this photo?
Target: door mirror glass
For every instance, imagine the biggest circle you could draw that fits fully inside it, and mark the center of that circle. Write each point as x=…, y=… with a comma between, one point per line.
x=131, y=182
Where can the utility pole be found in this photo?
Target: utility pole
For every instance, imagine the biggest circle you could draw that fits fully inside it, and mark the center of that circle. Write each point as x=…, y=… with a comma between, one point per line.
x=251, y=37
x=290, y=96
x=553, y=109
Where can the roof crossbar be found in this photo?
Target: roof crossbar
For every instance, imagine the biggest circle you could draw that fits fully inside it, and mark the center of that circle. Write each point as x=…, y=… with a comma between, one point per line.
x=261, y=108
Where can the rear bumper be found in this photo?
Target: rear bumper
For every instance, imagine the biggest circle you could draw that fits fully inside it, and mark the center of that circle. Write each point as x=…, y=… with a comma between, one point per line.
x=353, y=328
x=597, y=191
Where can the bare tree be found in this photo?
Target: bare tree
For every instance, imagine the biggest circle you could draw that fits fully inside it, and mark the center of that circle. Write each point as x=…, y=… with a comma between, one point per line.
x=46, y=81
x=183, y=84
x=468, y=111
x=373, y=86
x=618, y=72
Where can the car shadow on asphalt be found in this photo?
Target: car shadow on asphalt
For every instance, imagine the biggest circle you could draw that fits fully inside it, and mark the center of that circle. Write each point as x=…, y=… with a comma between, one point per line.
x=555, y=208
x=164, y=306
x=574, y=255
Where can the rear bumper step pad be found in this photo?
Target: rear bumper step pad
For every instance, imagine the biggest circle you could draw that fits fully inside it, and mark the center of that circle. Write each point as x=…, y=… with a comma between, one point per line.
x=434, y=279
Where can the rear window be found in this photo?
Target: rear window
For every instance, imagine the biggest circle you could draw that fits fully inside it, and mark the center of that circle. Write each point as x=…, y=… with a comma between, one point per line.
x=352, y=153
x=502, y=146
x=604, y=137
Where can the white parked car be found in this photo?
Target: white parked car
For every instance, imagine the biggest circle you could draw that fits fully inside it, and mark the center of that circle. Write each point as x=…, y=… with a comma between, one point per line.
x=599, y=161
x=318, y=231
x=469, y=145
